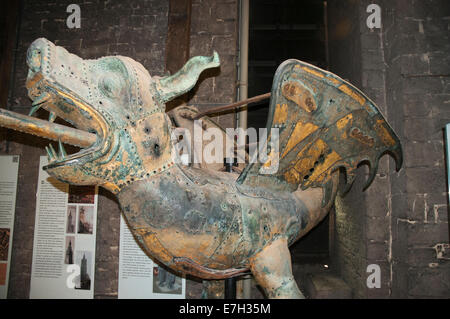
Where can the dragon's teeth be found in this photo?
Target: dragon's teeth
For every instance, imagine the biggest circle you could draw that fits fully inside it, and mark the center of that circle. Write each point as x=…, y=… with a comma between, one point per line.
x=49, y=154
x=41, y=99
x=53, y=152
x=37, y=103
x=52, y=117
x=34, y=109
x=62, y=151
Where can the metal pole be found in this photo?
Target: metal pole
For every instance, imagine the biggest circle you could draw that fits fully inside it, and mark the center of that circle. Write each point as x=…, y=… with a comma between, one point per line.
x=233, y=105
x=243, y=60
x=230, y=288
x=230, y=283
x=46, y=129
x=243, y=91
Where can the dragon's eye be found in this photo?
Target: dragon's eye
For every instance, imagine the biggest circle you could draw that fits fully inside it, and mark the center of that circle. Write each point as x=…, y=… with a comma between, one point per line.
x=110, y=85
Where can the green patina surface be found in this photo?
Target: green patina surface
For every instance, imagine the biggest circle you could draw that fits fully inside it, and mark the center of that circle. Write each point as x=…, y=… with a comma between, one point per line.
x=209, y=224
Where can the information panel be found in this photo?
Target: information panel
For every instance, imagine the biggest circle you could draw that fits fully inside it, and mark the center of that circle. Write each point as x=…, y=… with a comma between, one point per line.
x=64, y=239
x=9, y=169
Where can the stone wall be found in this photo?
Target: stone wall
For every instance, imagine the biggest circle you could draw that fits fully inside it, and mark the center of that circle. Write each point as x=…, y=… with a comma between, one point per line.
x=416, y=49
x=400, y=223
x=131, y=28
x=348, y=251
x=214, y=27
x=402, y=218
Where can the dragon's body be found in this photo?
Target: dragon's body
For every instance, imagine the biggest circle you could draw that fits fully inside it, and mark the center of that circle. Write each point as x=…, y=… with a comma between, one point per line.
x=201, y=221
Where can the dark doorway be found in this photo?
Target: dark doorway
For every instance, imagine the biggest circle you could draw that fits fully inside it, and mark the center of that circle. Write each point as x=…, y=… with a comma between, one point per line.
x=280, y=30
x=8, y=25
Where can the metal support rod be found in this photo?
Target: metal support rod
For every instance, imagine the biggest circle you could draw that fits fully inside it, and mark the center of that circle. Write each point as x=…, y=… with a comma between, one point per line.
x=230, y=283
x=243, y=59
x=46, y=129
x=325, y=25
x=233, y=105
x=244, y=23
x=230, y=288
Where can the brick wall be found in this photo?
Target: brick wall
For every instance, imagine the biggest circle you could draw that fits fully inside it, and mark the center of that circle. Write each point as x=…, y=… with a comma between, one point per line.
x=398, y=223
x=378, y=219
x=131, y=28
x=417, y=45
x=214, y=27
x=348, y=251
x=404, y=69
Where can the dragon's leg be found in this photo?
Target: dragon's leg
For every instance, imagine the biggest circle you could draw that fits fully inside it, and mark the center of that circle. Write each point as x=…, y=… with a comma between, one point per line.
x=273, y=271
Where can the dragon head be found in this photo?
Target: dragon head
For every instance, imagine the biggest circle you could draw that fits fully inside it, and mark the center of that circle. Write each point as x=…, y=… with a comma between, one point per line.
x=114, y=98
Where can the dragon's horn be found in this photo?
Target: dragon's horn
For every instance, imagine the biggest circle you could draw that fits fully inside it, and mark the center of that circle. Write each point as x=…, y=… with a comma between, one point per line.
x=170, y=87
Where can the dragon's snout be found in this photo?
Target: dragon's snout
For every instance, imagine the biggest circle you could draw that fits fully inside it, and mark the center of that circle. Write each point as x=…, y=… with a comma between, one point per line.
x=38, y=56
x=34, y=57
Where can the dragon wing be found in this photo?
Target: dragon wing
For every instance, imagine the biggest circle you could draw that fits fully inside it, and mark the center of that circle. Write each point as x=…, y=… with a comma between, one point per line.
x=323, y=123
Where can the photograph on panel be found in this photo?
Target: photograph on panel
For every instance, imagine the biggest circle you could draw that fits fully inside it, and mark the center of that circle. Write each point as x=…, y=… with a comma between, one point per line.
x=81, y=194
x=70, y=248
x=83, y=259
x=71, y=218
x=85, y=219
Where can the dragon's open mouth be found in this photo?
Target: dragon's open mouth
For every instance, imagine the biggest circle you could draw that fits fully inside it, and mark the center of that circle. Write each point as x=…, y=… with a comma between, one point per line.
x=61, y=102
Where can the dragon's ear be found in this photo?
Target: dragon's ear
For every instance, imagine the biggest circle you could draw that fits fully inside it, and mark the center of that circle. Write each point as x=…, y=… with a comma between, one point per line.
x=170, y=87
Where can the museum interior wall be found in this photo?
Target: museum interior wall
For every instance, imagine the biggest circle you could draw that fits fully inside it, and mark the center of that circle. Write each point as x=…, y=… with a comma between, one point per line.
x=399, y=223
x=137, y=29
x=110, y=32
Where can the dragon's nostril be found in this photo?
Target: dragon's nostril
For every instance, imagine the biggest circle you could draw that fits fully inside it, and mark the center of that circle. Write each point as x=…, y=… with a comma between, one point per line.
x=34, y=59
x=39, y=49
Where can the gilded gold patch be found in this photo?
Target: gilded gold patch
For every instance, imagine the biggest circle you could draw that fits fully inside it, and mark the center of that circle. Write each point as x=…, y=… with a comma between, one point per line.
x=333, y=80
x=384, y=134
x=341, y=123
x=291, y=176
x=301, y=131
x=347, y=90
x=281, y=113
x=312, y=71
x=329, y=161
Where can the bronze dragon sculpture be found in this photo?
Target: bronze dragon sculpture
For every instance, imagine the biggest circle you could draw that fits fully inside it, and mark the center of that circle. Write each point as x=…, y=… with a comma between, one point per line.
x=204, y=222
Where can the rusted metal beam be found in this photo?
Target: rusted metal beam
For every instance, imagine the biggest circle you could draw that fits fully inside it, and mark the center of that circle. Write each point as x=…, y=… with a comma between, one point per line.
x=41, y=128
x=233, y=105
